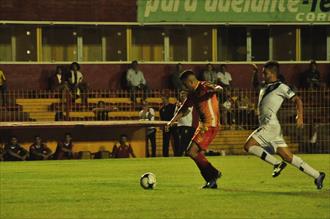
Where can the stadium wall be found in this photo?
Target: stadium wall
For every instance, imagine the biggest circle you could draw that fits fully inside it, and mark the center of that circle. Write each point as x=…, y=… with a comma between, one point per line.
x=73, y=10
x=92, y=139
x=109, y=76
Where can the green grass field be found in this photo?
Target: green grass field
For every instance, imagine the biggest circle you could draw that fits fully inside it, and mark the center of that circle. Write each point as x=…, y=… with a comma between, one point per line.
x=110, y=189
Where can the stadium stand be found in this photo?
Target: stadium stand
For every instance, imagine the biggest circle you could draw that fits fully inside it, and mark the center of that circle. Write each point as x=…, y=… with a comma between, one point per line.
x=42, y=106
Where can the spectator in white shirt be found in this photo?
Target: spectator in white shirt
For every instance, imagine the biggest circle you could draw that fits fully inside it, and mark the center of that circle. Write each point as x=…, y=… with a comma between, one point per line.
x=184, y=130
x=136, y=81
x=148, y=113
x=224, y=77
x=78, y=87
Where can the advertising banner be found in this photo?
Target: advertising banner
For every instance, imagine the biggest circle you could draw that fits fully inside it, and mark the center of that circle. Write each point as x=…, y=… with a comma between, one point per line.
x=234, y=11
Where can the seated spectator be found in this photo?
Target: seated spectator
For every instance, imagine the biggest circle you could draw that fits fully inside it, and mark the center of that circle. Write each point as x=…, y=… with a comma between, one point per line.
x=312, y=76
x=209, y=74
x=122, y=149
x=166, y=114
x=3, y=89
x=14, y=151
x=148, y=113
x=101, y=111
x=39, y=150
x=76, y=83
x=176, y=83
x=64, y=148
x=224, y=77
x=58, y=82
x=184, y=130
x=136, y=81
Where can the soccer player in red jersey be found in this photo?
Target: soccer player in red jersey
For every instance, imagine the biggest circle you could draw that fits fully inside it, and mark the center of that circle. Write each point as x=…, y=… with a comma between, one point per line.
x=202, y=96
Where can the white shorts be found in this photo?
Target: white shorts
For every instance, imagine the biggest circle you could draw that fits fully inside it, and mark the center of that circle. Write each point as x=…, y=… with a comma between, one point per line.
x=269, y=136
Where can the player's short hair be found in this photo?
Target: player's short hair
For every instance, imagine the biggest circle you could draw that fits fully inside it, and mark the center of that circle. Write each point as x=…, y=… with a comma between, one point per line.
x=185, y=74
x=273, y=65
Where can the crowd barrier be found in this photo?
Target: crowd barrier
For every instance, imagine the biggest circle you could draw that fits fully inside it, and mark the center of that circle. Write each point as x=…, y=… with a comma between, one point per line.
x=238, y=110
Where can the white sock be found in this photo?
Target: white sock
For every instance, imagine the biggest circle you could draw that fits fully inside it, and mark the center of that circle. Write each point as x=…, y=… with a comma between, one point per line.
x=264, y=155
x=303, y=166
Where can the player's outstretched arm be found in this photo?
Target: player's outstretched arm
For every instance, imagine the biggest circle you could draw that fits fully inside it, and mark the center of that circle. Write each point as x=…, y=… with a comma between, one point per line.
x=300, y=111
x=180, y=113
x=175, y=118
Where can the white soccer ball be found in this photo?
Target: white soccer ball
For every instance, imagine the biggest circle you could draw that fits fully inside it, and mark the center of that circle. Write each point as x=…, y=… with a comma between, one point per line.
x=148, y=181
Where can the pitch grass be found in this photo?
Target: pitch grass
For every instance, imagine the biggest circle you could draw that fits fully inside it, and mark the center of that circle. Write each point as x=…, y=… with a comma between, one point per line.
x=110, y=189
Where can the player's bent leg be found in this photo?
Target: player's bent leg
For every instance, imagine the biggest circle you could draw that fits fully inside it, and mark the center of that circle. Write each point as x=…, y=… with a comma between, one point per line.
x=249, y=143
x=296, y=161
x=209, y=173
x=253, y=147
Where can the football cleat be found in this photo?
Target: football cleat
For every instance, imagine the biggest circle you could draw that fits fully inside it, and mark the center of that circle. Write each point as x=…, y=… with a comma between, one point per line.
x=319, y=180
x=213, y=183
x=278, y=168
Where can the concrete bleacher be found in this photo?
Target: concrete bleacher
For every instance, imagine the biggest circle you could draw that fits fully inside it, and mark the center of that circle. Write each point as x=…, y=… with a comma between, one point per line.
x=13, y=112
x=44, y=109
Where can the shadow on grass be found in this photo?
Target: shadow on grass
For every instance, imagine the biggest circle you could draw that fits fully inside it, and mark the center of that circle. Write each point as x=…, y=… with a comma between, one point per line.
x=324, y=193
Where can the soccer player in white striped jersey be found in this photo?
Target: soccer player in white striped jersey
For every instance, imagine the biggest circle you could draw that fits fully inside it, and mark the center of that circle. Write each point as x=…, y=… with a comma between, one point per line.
x=269, y=133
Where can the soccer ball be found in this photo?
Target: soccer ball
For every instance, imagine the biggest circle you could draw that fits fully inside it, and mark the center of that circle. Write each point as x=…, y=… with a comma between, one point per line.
x=148, y=181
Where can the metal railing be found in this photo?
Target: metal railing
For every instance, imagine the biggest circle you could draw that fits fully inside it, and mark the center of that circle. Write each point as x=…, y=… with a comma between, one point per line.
x=237, y=110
